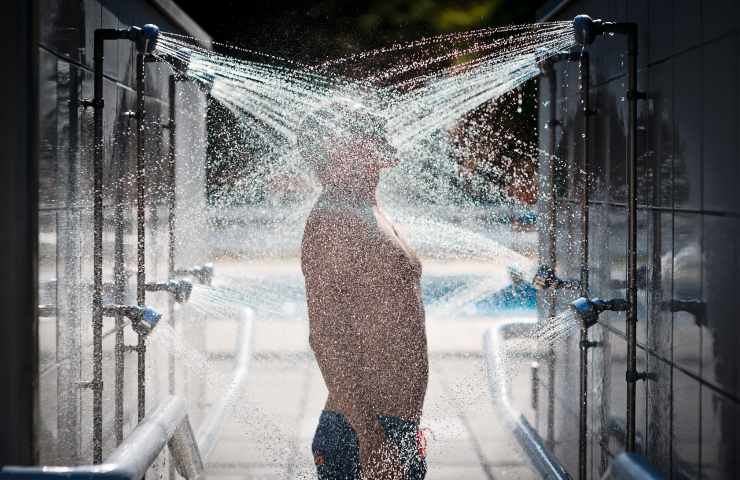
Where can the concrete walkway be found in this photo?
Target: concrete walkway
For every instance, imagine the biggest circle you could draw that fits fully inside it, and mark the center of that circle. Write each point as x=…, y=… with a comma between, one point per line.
x=269, y=433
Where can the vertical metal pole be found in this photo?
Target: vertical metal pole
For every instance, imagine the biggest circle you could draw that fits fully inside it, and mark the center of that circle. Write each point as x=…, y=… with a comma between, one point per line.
x=140, y=227
x=551, y=294
x=584, y=341
x=171, y=197
x=632, y=96
x=97, y=310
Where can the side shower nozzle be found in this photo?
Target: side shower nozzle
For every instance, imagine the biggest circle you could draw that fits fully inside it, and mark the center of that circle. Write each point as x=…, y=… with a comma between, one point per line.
x=181, y=289
x=546, y=278
x=588, y=310
x=586, y=29
x=202, y=273
x=696, y=308
x=143, y=319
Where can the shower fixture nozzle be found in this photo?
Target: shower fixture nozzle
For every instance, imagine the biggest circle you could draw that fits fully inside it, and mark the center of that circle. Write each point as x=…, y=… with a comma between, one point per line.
x=181, y=289
x=588, y=310
x=145, y=37
x=202, y=273
x=545, y=278
x=586, y=29
x=143, y=319
x=697, y=308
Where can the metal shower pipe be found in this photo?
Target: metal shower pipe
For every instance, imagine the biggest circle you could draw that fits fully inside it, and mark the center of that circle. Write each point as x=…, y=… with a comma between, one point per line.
x=140, y=229
x=586, y=30
x=144, y=39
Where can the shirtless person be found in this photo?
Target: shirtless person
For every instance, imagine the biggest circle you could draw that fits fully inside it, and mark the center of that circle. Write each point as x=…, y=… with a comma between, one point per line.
x=364, y=305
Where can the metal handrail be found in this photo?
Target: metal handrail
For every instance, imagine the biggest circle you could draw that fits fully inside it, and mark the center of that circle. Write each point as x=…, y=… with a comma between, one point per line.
x=208, y=431
x=541, y=457
x=167, y=425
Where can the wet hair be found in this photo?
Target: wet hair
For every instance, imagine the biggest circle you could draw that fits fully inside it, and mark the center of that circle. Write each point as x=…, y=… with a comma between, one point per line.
x=334, y=123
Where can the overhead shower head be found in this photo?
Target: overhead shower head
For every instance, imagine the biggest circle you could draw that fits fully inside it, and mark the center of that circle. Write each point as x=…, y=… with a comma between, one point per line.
x=588, y=310
x=143, y=319
x=181, y=289
x=145, y=37
x=586, y=29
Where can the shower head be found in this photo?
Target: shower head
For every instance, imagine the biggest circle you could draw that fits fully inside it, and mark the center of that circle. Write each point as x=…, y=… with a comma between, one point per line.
x=181, y=289
x=145, y=37
x=545, y=278
x=697, y=308
x=586, y=29
x=202, y=273
x=143, y=319
x=588, y=310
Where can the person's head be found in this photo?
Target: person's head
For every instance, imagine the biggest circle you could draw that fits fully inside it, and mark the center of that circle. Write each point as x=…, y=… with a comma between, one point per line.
x=345, y=144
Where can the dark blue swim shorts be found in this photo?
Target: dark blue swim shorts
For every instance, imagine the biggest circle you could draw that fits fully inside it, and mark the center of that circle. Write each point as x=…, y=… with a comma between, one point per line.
x=337, y=455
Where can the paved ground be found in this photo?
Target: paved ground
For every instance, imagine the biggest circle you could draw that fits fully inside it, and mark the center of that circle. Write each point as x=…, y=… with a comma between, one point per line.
x=269, y=434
